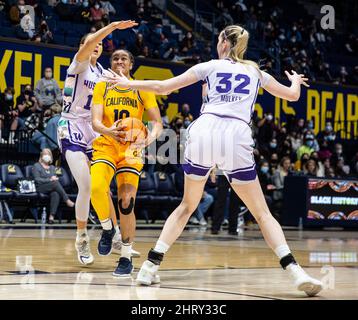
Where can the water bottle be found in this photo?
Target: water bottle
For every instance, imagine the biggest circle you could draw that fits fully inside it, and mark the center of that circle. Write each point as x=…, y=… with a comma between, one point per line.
x=43, y=216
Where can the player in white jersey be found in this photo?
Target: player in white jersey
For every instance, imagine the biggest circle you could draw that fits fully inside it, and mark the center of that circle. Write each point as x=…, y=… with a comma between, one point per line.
x=75, y=133
x=232, y=89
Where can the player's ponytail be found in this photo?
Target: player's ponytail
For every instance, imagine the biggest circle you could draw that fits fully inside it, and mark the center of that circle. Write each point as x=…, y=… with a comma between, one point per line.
x=239, y=39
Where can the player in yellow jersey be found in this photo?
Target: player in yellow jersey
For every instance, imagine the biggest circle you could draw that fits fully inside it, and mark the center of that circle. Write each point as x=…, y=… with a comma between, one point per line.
x=110, y=157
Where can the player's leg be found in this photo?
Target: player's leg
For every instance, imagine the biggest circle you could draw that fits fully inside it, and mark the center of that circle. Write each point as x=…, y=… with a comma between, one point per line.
x=117, y=238
x=127, y=182
x=78, y=164
x=102, y=172
x=173, y=228
x=252, y=195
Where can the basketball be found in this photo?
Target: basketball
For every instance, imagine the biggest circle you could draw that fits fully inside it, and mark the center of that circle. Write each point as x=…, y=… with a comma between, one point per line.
x=135, y=129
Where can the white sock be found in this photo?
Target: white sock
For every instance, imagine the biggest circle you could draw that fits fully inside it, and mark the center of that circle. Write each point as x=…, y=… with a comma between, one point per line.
x=117, y=235
x=126, y=251
x=161, y=247
x=81, y=233
x=282, y=251
x=106, y=224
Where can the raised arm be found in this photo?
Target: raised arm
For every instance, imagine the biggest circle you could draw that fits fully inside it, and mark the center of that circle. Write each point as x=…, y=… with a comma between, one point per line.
x=291, y=93
x=160, y=87
x=92, y=40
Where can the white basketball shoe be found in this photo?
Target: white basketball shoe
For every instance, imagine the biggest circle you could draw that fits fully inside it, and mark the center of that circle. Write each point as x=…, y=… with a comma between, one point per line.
x=83, y=249
x=147, y=274
x=303, y=282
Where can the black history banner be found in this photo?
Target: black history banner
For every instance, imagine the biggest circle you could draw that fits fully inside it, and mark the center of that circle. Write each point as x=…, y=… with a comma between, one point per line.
x=23, y=62
x=332, y=200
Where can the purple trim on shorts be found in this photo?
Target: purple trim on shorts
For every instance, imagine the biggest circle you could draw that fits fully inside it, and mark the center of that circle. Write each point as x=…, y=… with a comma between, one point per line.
x=196, y=165
x=190, y=169
x=242, y=176
x=243, y=169
x=222, y=116
x=68, y=145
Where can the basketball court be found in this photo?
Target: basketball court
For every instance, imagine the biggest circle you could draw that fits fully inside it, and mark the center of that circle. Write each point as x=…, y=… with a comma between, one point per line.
x=41, y=263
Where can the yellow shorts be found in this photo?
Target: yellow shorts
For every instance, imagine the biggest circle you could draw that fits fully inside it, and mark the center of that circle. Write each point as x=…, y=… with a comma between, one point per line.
x=126, y=163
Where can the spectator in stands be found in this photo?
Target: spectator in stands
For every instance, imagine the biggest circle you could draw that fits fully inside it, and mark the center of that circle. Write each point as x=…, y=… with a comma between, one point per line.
x=15, y=12
x=84, y=13
x=26, y=103
x=9, y=114
x=64, y=10
x=46, y=135
x=107, y=8
x=138, y=45
x=274, y=161
x=47, y=182
x=45, y=33
x=266, y=129
x=337, y=154
x=307, y=147
x=47, y=91
x=320, y=165
x=278, y=179
x=342, y=170
x=27, y=24
x=184, y=114
x=97, y=12
x=310, y=168
x=187, y=42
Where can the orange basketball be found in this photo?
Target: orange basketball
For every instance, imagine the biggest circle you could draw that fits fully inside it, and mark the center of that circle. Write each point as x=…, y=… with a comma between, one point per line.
x=135, y=129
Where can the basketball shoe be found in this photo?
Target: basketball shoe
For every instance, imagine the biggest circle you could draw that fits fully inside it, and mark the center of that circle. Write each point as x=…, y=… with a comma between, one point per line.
x=105, y=243
x=124, y=268
x=147, y=274
x=83, y=249
x=303, y=282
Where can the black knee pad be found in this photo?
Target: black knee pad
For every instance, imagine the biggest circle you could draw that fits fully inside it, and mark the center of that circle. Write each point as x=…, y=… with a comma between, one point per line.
x=129, y=209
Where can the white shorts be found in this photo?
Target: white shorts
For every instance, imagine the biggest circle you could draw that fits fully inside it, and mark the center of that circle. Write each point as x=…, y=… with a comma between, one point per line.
x=76, y=135
x=223, y=142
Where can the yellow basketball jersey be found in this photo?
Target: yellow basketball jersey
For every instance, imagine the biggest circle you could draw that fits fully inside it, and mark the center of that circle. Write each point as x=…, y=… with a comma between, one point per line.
x=119, y=103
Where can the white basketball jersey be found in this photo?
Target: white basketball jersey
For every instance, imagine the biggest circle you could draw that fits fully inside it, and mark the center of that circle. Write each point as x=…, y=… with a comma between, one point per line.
x=232, y=88
x=78, y=91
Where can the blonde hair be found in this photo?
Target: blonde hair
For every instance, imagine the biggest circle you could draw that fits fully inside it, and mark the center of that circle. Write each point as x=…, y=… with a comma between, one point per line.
x=239, y=39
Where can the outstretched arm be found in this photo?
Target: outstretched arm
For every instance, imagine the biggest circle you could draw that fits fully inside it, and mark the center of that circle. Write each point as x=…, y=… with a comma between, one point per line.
x=93, y=39
x=158, y=87
x=291, y=93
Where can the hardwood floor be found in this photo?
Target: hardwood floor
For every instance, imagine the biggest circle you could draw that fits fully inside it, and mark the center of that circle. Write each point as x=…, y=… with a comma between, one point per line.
x=40, y=263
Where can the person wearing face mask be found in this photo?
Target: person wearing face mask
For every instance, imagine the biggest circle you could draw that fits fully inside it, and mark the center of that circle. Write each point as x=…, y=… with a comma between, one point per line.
x=97, y=12
x=47, y=182
x=47, y=91
x=26, y=104
x=327, y=134
x=307, y=147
